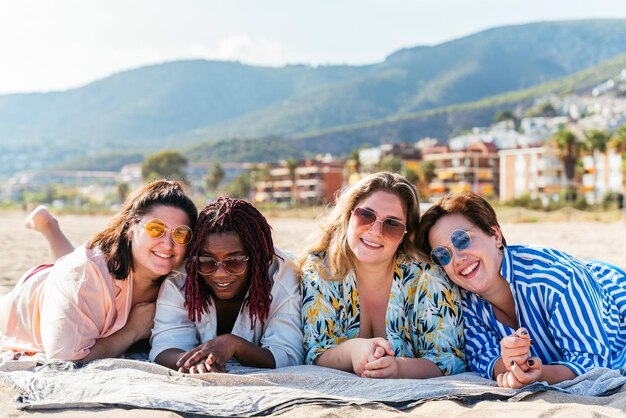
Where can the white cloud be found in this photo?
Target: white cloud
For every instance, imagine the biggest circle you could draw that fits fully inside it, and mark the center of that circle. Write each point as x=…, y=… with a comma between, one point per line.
x=259, y=51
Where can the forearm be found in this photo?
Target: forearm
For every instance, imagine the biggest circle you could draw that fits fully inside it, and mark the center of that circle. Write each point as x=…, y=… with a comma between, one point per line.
x=340, y=356
x=556, y=373
x=112, y=346
x=169, y=357
x=251, y=355
x=416, y=368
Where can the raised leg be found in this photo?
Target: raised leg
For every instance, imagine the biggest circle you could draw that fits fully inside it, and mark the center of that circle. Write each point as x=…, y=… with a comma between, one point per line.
x=42, y=221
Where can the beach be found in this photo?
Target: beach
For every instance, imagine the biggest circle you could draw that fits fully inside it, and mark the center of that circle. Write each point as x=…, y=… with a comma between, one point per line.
x=22, y=248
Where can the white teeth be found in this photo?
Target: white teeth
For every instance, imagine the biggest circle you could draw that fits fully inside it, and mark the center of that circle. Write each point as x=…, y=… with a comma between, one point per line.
x=162, y=255
x=223, y=284
x=372, y=244
x=469, y=269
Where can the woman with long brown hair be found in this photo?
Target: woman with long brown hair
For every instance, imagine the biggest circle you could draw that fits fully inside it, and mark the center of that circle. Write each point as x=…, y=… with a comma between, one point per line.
x=99, y=299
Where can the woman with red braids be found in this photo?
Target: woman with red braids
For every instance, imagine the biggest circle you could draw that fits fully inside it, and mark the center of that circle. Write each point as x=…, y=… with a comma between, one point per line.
x=240, y=298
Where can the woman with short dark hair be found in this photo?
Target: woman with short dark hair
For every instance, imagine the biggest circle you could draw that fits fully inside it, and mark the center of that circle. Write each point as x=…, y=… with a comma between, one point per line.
x=530, y=313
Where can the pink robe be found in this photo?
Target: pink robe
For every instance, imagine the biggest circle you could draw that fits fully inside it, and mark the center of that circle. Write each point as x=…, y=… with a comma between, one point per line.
x=64, y=309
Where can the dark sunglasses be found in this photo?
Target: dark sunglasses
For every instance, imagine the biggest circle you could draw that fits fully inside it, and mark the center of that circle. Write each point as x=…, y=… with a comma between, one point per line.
x=181, y=235
x=207, y=266
x=391, y=228
x=459, y=238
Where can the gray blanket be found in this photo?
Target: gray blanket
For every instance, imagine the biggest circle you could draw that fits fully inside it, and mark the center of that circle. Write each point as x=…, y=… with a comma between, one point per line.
x=249, y=392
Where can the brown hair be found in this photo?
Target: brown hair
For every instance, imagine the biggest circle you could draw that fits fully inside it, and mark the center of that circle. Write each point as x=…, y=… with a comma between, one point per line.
x=239, y=216
x=113, y=240
x=335, y=225
x=468, y=204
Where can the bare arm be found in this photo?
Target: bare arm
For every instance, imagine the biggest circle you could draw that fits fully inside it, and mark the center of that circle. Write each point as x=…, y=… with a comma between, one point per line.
x=137, y=328
x=169, y=357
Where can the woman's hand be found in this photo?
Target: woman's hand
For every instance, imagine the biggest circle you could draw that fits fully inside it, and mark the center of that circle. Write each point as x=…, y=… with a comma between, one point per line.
x=515, y=349
x=384, y=364
x=368, y=351
x=210, y=356
x=141, y=320
x=518, y=378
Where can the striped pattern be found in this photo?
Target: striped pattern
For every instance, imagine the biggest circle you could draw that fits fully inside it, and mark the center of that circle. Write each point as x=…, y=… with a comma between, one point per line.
x=575, y=311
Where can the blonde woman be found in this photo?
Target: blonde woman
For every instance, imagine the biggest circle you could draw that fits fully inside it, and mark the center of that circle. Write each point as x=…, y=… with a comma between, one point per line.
x=369, y=306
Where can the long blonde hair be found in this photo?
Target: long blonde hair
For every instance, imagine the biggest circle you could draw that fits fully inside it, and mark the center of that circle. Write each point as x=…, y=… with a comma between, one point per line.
x=340, y=258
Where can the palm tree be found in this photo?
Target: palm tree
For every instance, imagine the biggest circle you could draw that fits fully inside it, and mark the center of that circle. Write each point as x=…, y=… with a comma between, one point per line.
x=569, y=151
x=214, y=177
x=596, y=141
x=292, y=165
x=618, y=142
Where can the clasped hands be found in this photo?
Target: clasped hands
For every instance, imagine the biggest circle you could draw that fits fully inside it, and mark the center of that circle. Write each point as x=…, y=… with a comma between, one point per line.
x=521, y=368
x=374, y=357
x=208, y=357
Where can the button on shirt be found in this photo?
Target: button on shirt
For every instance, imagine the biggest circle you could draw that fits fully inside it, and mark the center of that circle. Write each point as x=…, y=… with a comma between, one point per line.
x=574, y=310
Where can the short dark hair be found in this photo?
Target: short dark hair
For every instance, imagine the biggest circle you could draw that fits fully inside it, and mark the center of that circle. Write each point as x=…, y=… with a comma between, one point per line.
x=468, y=204
x=113, y=240
x=239, y=216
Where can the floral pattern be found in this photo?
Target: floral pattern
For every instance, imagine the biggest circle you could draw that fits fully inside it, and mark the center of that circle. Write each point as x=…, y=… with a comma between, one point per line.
x=423, y=320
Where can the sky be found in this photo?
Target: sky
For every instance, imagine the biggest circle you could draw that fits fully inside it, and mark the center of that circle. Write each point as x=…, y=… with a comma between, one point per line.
x=48, y=45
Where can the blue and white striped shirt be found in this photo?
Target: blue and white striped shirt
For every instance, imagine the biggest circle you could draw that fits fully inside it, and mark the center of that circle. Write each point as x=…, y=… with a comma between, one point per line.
x=574, y=310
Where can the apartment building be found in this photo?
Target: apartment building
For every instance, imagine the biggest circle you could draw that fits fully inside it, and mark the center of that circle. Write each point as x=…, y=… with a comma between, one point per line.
x=475, y=168
x=312, y=182
x=533, y=171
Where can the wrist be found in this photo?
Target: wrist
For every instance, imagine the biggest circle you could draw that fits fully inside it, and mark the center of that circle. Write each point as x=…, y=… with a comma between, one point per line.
x=236, y=344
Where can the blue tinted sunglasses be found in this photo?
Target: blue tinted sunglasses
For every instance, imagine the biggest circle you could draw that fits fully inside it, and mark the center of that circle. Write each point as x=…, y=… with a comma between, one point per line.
x=459, y=238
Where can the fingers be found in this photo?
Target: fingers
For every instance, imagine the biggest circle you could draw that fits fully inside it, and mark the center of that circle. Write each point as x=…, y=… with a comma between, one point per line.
x=181, y=361
x=519, y=360
x=198, y=369
x=381, y=368
x=192, y=357
x=534, y=363
x=211, y=359
x=513, y=342
x=214, y=365
x=521, y=378
x=380, y=363
x=386, y=345
x=508, y=380
x=521, y=332
x=379, y=352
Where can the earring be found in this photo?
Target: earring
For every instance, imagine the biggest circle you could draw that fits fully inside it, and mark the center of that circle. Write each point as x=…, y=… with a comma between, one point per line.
x=499, y=247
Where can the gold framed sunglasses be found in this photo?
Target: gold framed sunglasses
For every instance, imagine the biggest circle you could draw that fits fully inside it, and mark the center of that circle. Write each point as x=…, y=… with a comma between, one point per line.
x=207, y=266
x=156, y=228
x=391, y=228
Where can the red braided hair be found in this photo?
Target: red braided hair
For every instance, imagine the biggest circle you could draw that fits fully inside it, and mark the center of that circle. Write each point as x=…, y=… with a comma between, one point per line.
x=239, y=216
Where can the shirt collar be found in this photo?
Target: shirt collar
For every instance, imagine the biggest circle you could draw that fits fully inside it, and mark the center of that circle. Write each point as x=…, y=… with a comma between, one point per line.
x=506, y=270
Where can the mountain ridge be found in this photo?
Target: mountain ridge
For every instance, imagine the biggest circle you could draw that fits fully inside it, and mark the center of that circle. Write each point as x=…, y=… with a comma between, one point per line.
x=181, y=103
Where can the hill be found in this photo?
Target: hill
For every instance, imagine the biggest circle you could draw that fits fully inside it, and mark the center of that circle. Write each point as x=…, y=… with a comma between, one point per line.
x=178, y=104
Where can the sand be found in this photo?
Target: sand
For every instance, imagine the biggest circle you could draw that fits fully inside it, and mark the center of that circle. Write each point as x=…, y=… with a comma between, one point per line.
x=22, y=248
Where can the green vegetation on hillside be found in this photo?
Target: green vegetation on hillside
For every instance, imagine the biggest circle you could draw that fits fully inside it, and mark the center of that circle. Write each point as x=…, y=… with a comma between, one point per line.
x=415, y=92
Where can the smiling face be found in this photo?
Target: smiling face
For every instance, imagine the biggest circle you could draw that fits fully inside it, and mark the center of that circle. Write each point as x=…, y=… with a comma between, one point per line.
x=476, y=267
x=221, y=246
x=369, y=245
x=156, y=257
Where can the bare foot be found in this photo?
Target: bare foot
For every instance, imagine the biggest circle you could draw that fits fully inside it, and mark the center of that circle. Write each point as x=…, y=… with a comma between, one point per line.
x=40, y=220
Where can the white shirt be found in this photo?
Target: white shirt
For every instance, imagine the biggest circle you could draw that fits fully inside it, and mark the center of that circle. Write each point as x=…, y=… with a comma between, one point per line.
x=281, y=334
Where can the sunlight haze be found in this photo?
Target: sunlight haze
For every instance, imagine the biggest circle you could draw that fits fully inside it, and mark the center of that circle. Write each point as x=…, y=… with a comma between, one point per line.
x=68, y=43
